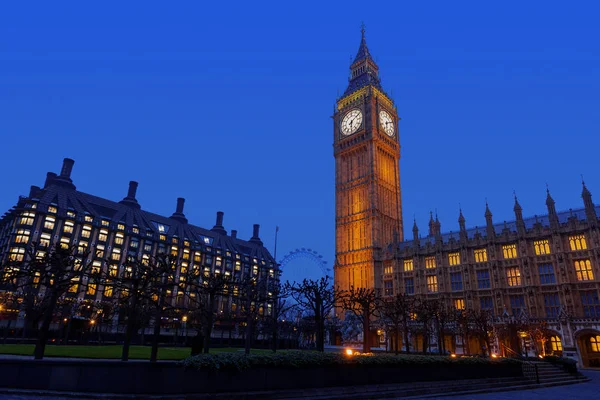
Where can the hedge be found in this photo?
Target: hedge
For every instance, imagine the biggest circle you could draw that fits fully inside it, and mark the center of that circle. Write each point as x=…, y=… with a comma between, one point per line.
x=308, y=359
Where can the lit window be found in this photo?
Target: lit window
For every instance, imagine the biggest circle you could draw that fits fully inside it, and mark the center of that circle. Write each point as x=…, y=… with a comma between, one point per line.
x=121, y=227
x=459, y=304
x=483, y=279
x=454, y=258
x=113, y=270
x=186, y=254
x=175, y=240
x=591, y=304
x=52, y=209
x=99, y=251
x=96, y=266
x=45, y=239
x=116, y=255
x=74, y=285
x=105, y=222
x=108, y=289
x=514, y=276
x=546, y=274
x=71, y=214
x=583, y=268
x=197, y=257
x=509, y=251
x=147, y=246
x=408, y=265
x=16, y=254
x=22, y=236
x=134, y=243
x=162, y=237
x=595, y=343
x=119, y=239
x=409, y=286
x=49, y=222
x=26, y=218
x=238, y=266
x=91, y=289
x=432, y=284
x=577, y=242
x=552, y=305
x=555, y=343
x=135, y=230
x=174, y=251
x=103, y=235
x=68, y=228
x=541, y=247
x=388, y=269
x=456, y=281
x=88, y=218
x=86, y=231
x=64, y=242
x=429, y=262
x=480, y=255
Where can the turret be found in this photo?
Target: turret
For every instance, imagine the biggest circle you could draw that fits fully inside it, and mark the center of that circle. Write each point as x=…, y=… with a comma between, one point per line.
x=489, y=224
x=552, y=215
x=519, y=217
x=590, y=210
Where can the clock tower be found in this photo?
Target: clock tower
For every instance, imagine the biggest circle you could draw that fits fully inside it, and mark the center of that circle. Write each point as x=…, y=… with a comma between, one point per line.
x=367, y=175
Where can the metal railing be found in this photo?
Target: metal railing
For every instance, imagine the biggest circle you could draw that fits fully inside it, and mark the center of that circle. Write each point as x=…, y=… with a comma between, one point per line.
x=530, y=369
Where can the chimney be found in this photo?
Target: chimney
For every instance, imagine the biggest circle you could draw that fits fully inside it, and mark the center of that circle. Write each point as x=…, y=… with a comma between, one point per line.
x=34, y=191
x=130, y=200
x=234, y=234
x=219, y=224
x=64, y=179
x=67, y=167
x=178, y=214
x=49, y=179
x=255, y=238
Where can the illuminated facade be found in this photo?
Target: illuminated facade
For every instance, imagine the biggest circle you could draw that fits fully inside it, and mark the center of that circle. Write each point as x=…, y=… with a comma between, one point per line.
x=60, y=214
x=543, y=269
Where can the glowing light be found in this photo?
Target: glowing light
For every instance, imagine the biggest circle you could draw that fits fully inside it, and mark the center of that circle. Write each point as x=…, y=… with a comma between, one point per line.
x=93, y=321
x=349, y=352
x=184, y=319
x=540, y=356
x=65, y=320
x=453, y=355
x=494, y=355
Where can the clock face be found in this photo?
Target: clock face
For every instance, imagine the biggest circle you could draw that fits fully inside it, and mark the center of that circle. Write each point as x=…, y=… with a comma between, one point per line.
x=351, y=122
x=387, y=123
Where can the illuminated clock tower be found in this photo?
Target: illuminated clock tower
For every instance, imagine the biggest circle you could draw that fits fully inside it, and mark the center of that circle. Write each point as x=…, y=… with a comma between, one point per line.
x=367, y=175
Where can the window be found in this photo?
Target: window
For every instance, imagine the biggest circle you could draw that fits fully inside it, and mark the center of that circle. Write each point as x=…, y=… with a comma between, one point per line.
x=486, y=303
x=432, y=284
x=22, y=236
x=408, y=265
x=134, y=243
x=546, y=274
x=513, y=276
x=64, y=242
x=483, y=279
x=86, y=232
x=105, y=222
x=595, y=343
x=121, y=227
x=74, y=285
x=456, y=281
x=583, y=268
x=555, y=343
x=68, y=228
x=591, y=304
x=135, y=230
x=49, y=222
x=541, y=247
x=52, y=209
x=409, y=285
x=91, y=289
x=71, y=214
x=517, y=304
x=26, y=218
x=99, y=251
x=16, y=254
x=162, y=237
x=119, y=239
x=577, y=242
x=108, y=289
x=429, y=262
x=454, y=258
x=388, y=287
x=116, y=255
x=88, y=218
x=103, y=235
x=81, y=246
x=480, y=255
x=45, y=239
x=459, y=304
x=113, y=270
x=509, y=251
x=552, y=305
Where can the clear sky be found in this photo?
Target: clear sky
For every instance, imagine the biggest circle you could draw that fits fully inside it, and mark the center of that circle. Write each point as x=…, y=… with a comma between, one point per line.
x=228, y=104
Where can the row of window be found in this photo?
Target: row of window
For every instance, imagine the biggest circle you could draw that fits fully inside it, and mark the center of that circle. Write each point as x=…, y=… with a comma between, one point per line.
x=509, y=251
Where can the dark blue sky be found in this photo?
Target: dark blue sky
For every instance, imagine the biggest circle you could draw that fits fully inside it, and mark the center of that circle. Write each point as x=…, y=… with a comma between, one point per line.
x=229, y=105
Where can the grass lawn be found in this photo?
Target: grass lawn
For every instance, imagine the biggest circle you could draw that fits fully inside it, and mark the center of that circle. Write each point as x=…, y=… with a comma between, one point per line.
x=113, y=351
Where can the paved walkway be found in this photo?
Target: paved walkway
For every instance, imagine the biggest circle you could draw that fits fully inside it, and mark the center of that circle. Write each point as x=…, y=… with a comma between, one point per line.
x=580, y=391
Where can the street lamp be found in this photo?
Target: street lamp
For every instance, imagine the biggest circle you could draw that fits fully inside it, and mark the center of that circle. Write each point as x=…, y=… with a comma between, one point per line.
x=184, y=319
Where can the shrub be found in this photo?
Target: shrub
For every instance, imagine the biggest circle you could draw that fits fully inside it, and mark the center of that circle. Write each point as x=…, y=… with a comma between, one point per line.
x=306, y=359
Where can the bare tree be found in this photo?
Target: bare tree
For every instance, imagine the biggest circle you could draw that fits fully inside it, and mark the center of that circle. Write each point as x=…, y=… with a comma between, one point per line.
x=425, y=311
x=253, y=295
x=396, y=311
x=483, y=327
x=318, y=298
x=366, y=305
x=278, y=297
x=443, y=316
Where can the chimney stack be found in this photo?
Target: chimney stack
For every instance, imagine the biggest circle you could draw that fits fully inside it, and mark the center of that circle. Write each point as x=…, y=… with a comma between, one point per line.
x=234, y=234
x=178, y=214
x=49, y=179
x=219, y=224
x=130, y=200
x=64, y=179
x=255, y=238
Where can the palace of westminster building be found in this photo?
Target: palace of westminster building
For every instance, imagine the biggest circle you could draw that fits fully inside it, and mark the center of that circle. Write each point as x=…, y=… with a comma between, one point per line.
x=544, y=268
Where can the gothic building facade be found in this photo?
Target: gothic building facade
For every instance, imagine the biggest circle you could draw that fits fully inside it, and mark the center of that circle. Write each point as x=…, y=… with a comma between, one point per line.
x=543, y=269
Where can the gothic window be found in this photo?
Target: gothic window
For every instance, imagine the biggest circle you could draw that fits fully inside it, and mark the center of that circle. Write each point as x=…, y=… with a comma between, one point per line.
x=454, y=258
x=546, y=274
x=480, y=255
x=409, y=286
x=483, y=279
x=459, y=304
x=513, y=276
x=541, y=247
x=432, y=284
x=408, y=265
x=388, y=269
x=388, y=286
x=583, y=268
x=555, y=343
x=591, y=304
x=595, y=343
x=552, y=305
x=430, y=262
x=517, y=304
x=509, y=251
x=577, y=242
x=486, y=303
x=456, y=281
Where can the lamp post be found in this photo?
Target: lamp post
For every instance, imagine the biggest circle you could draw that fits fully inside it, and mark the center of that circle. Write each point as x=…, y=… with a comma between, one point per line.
x=184, y=320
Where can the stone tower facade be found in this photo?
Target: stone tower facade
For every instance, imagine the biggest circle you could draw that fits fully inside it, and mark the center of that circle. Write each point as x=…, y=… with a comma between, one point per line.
x=367, y=154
